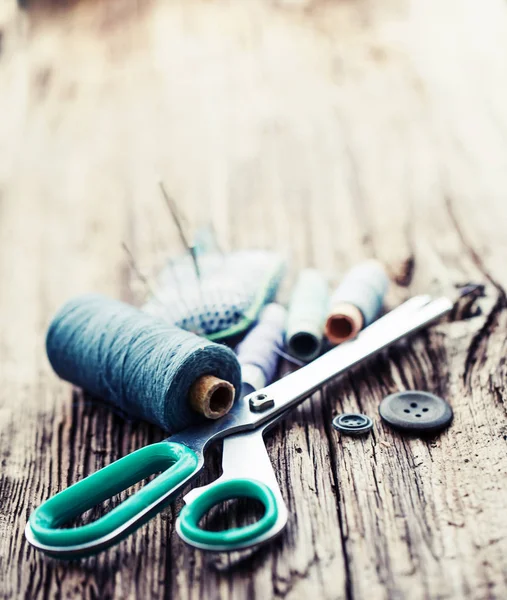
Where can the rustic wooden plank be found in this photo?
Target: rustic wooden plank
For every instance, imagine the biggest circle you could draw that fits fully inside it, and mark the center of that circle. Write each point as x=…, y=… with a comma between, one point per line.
x=332, y=131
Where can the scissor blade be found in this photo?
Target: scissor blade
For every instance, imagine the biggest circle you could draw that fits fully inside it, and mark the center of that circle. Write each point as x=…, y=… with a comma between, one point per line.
x=394, y=326
x=286, y=393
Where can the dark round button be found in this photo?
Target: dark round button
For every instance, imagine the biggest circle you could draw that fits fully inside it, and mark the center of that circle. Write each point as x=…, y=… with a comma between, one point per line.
x=352, y=424
x=418, y=412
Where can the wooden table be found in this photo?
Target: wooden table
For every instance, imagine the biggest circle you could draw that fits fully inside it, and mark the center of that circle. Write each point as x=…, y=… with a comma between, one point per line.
x=331, y=131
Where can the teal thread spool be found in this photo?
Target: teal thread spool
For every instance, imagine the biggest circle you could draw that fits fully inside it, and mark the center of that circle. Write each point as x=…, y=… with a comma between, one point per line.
x=307, y=313
x=357, y=301
x=142, y=365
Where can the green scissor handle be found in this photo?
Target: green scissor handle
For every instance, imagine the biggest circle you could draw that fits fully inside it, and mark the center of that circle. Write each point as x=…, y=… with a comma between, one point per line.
x=177, y=463
x=237, y=537
x=243, y=453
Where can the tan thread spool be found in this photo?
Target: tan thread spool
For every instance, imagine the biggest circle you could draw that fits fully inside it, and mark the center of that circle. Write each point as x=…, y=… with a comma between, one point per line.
x=357, y=301
x=344, y=323
x=211, y=396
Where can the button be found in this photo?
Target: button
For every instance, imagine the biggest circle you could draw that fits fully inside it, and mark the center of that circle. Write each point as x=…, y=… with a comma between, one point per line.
x=418, y=412
x=351, y=424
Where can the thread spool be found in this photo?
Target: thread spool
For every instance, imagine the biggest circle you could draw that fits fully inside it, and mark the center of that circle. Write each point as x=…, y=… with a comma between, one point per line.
x=307, y=313
x=141, y=364
x=257, y=353
x=357, y=301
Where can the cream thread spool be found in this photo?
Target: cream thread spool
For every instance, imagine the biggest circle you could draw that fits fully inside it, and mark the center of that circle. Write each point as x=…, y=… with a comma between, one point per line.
x=357, y=301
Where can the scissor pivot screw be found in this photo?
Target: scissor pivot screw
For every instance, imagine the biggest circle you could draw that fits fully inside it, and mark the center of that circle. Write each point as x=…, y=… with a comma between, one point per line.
x=261, y=403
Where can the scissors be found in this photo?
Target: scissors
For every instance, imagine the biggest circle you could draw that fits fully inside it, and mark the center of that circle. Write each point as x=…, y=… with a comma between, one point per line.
x=247, y=470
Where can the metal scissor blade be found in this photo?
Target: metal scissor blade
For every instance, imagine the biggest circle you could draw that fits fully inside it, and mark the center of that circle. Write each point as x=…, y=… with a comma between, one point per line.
x=286, y=393
x=397, y=324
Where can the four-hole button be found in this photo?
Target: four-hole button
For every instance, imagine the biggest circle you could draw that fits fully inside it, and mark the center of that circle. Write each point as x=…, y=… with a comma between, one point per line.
x=415, y=411
x=352, y=424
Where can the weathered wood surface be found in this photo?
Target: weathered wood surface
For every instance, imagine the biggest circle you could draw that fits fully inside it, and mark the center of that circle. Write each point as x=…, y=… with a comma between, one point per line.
x=333, y=131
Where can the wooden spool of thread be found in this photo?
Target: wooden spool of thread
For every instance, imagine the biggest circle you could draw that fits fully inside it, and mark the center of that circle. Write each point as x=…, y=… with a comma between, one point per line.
x=306, y=315
x=142, y=365
x=357, y=301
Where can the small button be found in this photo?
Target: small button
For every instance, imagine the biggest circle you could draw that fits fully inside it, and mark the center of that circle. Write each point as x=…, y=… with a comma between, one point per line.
x=417, y=412
x=352, y=424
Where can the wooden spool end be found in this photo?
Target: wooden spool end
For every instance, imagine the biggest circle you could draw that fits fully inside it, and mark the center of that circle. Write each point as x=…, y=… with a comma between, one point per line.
x=211, y=396
x=343, y=323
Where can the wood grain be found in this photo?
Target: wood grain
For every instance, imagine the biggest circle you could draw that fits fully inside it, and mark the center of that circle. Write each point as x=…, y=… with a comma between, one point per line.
x=332, y=131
